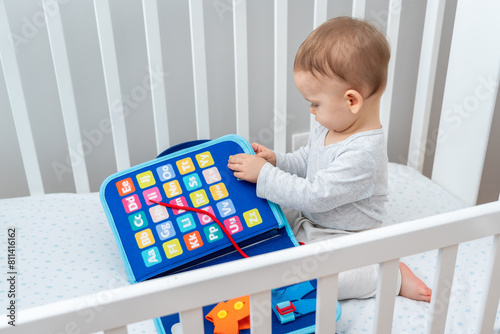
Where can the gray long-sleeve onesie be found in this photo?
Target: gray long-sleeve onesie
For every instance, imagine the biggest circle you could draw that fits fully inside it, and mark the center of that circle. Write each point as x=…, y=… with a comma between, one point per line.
x=341, y=186
x=338, y=188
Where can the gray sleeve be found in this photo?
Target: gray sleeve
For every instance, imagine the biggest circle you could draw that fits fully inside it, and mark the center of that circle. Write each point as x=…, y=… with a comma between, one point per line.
x=349, y=178
x=294, y=163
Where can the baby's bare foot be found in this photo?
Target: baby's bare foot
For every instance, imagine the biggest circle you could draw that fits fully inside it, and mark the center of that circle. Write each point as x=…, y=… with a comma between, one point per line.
x=412, y=287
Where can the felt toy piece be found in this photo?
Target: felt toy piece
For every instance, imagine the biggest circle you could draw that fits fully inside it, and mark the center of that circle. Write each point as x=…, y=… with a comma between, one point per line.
x=291, y=302
x=231, y=316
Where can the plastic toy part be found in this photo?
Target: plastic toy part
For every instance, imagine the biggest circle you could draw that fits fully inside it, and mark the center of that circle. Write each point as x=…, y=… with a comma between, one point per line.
x=285, y=308
x=222, y=314
x=238, y=305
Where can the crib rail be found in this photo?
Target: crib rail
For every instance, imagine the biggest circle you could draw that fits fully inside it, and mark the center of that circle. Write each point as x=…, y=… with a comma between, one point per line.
x=257, y=276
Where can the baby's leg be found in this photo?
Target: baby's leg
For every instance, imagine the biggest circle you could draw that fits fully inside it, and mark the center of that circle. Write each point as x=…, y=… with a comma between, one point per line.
x=362, y=283
x=412, y=287
x=358, y=283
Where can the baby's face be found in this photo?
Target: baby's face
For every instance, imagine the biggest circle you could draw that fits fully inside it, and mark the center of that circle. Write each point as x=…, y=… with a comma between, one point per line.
x=328, y=99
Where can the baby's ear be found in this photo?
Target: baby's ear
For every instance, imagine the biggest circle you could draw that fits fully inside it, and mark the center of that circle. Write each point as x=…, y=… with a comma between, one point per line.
x=354, y=100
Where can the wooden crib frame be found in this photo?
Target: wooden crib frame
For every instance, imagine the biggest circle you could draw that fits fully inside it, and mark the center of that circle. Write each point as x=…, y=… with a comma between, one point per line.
x=325, y=260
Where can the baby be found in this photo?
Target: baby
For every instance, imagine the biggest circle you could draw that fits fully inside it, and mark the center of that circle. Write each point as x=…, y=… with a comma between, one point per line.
x=337, y=184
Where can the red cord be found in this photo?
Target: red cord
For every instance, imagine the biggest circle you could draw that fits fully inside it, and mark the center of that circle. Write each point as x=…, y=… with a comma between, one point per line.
x=180, y=207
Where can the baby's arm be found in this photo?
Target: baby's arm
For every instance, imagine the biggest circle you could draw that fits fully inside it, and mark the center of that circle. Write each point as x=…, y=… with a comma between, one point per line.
x=246, y=166
x=264, y=152
x=293, y=163
x=346, y=180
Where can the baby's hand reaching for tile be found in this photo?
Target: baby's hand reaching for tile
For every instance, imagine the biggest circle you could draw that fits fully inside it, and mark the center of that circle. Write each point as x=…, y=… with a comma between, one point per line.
x=246, y=167
x=264, y=152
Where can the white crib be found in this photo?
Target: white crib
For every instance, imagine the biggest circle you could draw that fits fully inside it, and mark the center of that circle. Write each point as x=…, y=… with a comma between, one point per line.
x=91, y=88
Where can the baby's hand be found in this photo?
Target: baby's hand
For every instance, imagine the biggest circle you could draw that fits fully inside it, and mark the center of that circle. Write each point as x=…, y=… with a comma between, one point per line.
x=264, y=152
x=246, y=166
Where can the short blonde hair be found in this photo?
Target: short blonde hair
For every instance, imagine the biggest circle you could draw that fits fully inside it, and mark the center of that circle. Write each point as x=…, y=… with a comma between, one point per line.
x=350, y=49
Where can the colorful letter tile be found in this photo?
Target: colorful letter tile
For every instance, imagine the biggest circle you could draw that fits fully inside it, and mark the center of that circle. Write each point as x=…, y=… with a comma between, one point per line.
x=145, y=179
x=204, y=159
x=166, y=172
x=226, y=208
x=193, y=240
x=218, y=191
x=165, y=230
x=125, y=186
x=199, y=198
x=151, y=256
x=186, y=222
x=233, y=225
x=172, y=248
x=158, y=213
x=138, y=220
x=213, y=233
x=185, y=166
x=144, y=238
x=252, y=217
x=192, y=181
x=211, y=175
x=152, y=194
x=205, y=219
x=172, y=188
x=131, y=203
x=181, y=201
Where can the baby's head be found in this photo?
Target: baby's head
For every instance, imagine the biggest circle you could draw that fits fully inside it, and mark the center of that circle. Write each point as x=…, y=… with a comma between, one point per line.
x=348, y=49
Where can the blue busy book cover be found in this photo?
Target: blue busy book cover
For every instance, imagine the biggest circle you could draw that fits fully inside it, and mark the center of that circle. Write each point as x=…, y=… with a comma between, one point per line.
x=156, y=240
x=186, y=210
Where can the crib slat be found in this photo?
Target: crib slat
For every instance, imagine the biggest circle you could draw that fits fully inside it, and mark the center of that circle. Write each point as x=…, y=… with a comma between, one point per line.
x=260, y=313
x=320, y=11
x=326, y=304
x=280, y=73
x=17, y=101
x=491, y=295
x=241, y=67
x=112, y=82
x=192, y=321
x=119, y=330
x=66, y=94
x=386, y=295
x=441, y=290
x=393, y=21
x=358, y=9
x=156, y=73
x=199, y=68
x=434, y=18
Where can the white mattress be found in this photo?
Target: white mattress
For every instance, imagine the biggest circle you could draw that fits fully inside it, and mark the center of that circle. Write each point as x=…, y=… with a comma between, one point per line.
x=66, y=249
